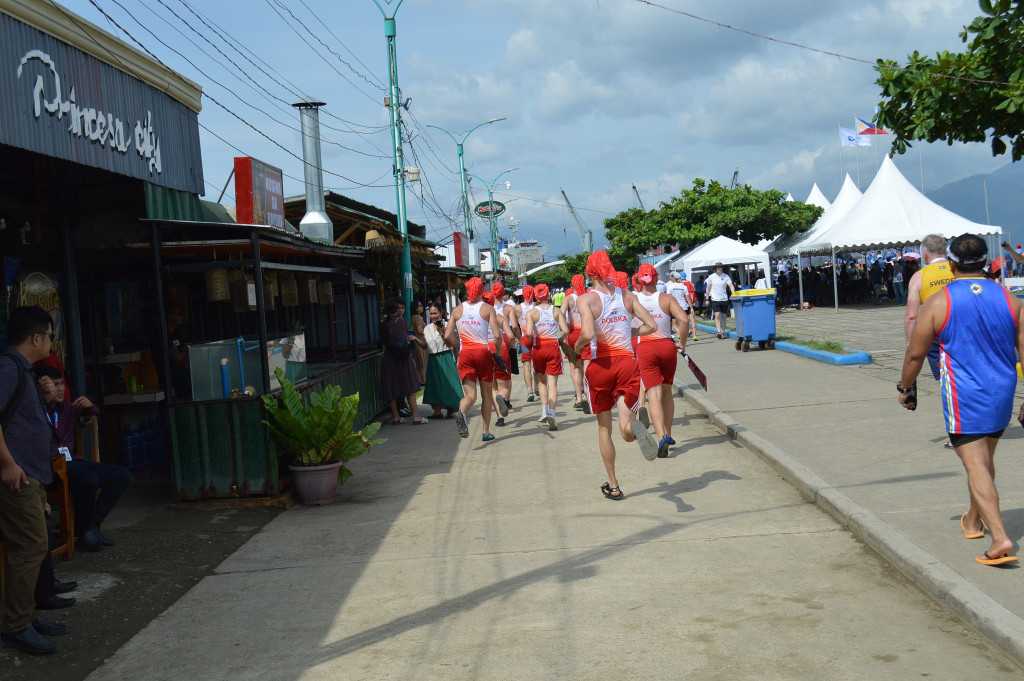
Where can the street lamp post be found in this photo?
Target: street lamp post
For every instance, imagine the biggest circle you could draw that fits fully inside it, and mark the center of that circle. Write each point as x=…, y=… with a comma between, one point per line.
x=462, y=168
x=395, y=107
x=490, y=217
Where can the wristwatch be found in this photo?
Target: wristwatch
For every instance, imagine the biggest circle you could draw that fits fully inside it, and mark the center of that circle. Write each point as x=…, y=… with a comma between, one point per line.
x=902, y=390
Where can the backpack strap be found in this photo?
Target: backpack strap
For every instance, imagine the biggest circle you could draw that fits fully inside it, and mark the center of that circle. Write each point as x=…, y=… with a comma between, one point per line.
x=19, y=391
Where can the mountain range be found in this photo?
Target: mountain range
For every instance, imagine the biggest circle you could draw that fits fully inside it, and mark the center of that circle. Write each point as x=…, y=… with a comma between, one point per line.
x=1005, y=189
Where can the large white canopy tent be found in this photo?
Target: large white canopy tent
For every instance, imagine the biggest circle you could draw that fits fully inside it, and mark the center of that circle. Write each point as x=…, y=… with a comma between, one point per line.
x=724, y=250
x=817, y=198
x=848, y=197
x=890, y=214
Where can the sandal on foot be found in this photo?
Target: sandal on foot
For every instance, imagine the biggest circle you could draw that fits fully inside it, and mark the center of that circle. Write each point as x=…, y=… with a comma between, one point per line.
x=1001, y=559
x=613, y=493
x=398, y=422
x=971, y=535
x=421, y=422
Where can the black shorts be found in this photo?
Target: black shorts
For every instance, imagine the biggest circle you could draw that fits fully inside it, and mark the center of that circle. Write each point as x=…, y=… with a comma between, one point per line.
x=960, y=439
x=720, y=306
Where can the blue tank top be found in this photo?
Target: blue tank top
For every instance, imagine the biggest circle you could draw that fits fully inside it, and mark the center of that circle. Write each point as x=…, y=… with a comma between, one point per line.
x=977, y=357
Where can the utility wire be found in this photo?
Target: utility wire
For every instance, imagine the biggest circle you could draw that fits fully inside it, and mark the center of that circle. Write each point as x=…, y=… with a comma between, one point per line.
x=206, y=94
x=821, y=51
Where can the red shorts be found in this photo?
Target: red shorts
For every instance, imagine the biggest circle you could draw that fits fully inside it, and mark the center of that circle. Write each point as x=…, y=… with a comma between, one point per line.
x=657, y=359
x=547, y=357
x=609, y=377
x=476, y=364
x=500, y=375
x=574, y=336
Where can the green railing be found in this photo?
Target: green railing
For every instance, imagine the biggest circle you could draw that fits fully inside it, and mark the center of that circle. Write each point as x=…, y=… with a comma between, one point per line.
x=220, y=449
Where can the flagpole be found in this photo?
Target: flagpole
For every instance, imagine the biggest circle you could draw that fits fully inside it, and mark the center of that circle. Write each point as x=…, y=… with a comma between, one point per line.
x=920, y=155
x=840, y=125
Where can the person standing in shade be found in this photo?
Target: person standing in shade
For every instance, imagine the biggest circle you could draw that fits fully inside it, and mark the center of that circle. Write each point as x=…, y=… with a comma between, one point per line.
x=977, y=324
x=397, y=370
x=26, y=447
x=443, y=387
x=656, y=353
x=527, y=365
x=613, y=376
x=469, y=326
x=545, y=326
x=719, y=287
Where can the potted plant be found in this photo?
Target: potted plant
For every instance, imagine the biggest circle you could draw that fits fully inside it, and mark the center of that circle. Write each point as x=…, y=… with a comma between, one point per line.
x=320, y=438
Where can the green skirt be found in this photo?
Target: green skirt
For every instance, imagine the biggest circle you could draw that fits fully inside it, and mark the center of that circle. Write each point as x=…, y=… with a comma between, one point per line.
x=443, y=385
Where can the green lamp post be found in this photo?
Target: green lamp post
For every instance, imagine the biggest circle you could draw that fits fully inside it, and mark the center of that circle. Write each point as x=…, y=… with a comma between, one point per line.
x=395, y=106
x=492, y=222
x=459, y=141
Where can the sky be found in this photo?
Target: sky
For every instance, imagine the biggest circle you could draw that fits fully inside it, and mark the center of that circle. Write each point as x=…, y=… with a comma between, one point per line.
x=597, y=95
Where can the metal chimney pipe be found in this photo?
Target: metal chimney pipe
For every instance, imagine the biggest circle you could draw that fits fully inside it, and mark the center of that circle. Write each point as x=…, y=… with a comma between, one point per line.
x=315, y=224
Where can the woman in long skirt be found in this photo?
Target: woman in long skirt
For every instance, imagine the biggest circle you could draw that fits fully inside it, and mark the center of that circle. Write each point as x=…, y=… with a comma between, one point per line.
x=443, y=387
x=398, y=372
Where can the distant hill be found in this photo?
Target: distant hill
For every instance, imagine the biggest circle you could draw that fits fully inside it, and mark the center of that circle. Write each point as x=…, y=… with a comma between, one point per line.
x=1005, y=188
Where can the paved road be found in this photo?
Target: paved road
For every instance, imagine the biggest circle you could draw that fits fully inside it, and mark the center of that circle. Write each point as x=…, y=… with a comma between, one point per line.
x=453, y=559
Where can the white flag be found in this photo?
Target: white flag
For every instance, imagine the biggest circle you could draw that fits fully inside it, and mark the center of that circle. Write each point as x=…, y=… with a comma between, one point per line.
x=850, y=138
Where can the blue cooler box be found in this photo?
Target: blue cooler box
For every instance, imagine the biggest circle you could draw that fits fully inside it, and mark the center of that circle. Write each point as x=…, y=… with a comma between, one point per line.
x=755, y=317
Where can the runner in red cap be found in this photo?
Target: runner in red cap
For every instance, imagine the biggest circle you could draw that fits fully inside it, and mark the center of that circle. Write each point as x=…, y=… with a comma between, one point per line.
x=510, y=328
x=521, y=310
x=656, y=353
x=545, y=326
x=613, y=377
x=471, y=322
x=572, y=316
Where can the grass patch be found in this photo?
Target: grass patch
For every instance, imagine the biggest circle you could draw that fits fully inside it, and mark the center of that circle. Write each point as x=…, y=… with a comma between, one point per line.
x=835, y=347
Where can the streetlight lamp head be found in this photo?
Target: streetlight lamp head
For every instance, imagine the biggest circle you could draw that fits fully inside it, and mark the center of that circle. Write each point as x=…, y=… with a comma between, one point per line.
x=406, y=103
x=508, y=185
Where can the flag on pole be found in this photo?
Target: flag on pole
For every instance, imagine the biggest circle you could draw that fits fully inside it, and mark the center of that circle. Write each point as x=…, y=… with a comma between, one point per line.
x=849, y=138
x=865, y=128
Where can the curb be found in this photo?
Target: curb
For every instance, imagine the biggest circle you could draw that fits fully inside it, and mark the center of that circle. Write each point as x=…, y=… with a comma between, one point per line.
x=853, y=357
x=954, y=592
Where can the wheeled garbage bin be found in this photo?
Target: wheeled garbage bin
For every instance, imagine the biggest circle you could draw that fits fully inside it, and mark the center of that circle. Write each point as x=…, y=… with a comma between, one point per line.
x=755, y=318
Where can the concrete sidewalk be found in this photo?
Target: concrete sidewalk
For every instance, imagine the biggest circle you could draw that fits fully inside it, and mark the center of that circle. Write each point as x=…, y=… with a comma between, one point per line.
x=850, y=441
x=453, y=559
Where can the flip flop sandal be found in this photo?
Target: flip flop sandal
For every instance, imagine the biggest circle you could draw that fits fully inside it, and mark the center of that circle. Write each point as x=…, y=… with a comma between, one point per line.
x=610, y=492
x=421, y=422
x=971, y=535
x=1001, y=559
x=398, y=422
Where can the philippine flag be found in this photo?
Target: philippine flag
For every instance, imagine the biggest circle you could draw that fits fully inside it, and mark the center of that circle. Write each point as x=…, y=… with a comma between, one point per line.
x=865, y=128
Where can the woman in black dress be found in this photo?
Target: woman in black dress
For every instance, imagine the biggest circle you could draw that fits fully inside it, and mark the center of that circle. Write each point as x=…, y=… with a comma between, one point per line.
x=398, y=371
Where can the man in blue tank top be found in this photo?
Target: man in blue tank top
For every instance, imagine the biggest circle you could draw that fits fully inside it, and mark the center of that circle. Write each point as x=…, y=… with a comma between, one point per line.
x=976, y=323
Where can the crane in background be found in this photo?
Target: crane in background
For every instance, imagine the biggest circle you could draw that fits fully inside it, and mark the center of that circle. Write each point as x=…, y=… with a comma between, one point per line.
x=638, y=199
x=586, y=236
x=735, y=178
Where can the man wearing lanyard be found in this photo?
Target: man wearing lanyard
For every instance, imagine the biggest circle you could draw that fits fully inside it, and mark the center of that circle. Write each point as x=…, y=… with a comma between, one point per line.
x=95, y=487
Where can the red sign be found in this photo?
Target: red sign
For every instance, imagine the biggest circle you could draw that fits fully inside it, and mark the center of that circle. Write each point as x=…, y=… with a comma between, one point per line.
x=461, y=243
x=259, y=193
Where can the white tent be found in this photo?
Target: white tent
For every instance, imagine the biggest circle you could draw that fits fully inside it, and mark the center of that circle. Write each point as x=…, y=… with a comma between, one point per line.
x=891, y=213
x=817, y=198
x=724, y=250
x=848, y=197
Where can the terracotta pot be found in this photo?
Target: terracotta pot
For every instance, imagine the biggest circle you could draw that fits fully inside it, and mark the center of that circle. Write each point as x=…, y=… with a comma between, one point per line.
x=316, y=484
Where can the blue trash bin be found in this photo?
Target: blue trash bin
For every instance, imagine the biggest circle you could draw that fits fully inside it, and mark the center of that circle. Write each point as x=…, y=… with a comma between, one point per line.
x=755, y=318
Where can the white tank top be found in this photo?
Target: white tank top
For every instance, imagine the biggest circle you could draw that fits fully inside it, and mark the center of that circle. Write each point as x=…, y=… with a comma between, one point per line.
x=473, y=329
x=574, y=313
x=547, y=325
x=500, y=309
x=526, y=307
x=613, y=330
x=652, y=304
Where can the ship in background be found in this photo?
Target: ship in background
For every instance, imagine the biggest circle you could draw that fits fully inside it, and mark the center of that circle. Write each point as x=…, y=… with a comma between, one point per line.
x=516, y=256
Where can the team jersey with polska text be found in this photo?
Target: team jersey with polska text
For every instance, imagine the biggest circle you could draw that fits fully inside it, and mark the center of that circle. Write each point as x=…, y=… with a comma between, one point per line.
x=613, y=327
x=474, y=330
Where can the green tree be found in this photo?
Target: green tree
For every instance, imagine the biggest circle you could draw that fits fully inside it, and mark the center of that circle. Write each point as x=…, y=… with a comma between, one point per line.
x=699, y=214
x=962, y=97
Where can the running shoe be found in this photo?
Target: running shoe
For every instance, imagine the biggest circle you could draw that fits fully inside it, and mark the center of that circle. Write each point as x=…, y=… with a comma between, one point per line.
x=487, y=437
x=648, y=447
x=461, y=424
x=551, y=422
x=671, y=440
x=502, y=405
x=500, y=423
x=663, y=447
x=530, y=396
x=644, y=416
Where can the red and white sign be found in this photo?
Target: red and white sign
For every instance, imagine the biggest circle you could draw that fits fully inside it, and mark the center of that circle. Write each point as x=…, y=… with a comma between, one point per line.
x=259, y=193
x=461, y=246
